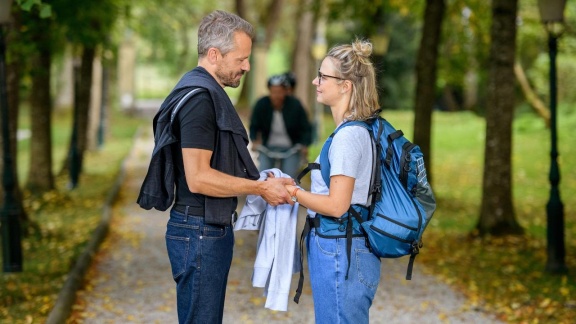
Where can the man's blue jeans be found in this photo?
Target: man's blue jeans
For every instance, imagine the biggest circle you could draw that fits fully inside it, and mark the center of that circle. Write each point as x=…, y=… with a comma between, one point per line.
x=200, y=256
x=337, y=299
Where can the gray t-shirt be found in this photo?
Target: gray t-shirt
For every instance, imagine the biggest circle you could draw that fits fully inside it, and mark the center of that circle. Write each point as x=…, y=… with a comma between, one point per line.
x=350, y=154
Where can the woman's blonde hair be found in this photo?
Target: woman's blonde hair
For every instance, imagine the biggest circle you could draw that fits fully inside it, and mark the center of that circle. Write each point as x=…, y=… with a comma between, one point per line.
x=352, y=62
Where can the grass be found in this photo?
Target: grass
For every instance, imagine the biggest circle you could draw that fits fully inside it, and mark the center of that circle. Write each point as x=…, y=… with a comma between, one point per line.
x=503, y=275
x=65, y=219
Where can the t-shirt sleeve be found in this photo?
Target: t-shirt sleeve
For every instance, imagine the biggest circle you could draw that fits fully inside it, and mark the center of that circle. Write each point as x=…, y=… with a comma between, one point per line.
x=198, y=123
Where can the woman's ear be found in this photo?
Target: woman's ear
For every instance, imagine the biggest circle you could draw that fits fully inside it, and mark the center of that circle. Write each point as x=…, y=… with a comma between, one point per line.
x=346, y=86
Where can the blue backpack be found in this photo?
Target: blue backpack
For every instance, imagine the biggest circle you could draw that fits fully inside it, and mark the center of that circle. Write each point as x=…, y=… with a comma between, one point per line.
x=402, y=200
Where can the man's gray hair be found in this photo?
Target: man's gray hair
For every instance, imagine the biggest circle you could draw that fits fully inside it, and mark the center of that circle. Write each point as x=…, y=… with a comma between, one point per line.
x=217, y=30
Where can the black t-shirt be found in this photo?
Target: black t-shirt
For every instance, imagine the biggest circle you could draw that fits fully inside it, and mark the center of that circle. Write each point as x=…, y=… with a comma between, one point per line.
x=195, y=126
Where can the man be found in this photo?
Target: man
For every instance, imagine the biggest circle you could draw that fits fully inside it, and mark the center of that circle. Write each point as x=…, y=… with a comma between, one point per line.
x=211, y=167
x=279, y=128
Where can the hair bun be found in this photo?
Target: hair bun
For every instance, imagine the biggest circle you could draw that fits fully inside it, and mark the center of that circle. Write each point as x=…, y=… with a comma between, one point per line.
x=362, y=48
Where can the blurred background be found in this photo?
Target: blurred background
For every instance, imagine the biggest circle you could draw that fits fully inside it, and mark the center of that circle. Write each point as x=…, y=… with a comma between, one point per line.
x=484, y=87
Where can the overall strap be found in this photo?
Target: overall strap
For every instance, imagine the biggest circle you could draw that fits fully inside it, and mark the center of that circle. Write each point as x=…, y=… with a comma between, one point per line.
x=310, y=222
x=349, y=226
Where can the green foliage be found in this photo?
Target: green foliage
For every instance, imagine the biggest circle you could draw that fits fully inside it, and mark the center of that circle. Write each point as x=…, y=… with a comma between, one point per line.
x=539, y=75
x=86, y=22
x=399, y=21
x=45, y=9
x=531, y=39
x=167, y=31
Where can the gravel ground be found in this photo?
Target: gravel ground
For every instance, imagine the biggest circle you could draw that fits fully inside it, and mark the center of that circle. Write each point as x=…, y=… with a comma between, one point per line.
x=130, y=280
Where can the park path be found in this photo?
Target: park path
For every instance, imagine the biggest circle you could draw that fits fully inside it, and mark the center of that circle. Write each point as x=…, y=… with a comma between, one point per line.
x=130, y=279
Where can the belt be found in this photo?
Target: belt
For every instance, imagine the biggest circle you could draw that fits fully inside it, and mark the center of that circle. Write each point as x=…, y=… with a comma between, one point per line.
x=189, y=210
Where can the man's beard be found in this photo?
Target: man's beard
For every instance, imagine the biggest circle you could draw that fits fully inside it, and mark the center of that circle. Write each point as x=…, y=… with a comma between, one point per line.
x=228, y=78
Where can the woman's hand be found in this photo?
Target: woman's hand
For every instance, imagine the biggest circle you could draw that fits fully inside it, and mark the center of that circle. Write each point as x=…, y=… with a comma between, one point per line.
x=290, y=188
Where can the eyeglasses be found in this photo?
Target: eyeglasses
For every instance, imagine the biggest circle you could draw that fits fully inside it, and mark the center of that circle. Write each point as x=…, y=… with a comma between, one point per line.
x=322, y=76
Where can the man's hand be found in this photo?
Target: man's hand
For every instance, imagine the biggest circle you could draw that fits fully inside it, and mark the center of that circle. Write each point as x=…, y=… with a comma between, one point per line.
x=274, y=191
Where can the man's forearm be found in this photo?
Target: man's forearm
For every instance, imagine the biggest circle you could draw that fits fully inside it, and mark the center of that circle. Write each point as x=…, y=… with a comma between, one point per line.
x=218, y=184
x=203, y=179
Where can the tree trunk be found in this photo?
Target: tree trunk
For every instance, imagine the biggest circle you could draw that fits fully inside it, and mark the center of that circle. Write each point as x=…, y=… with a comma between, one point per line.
x=497, y=211
x=86, y=71
x=95, y=103
x=257, y=78
x=13, y=63
x=449, y=100
x=243, y=102
x=426, y=68
x=241, y=8
x=273, y=15
x=79, y=138
x=40, y=177
x=302, y=62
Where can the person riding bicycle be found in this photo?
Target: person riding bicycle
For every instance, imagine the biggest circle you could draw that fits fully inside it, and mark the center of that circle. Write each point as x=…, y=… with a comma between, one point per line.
x=279, y=128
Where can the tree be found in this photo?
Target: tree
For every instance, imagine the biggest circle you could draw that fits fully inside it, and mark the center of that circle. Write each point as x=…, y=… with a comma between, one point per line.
x=13, y=72
x=426, y=67
x=40, y=176
x=266, y=25
x=87, y=25
x=82, y=94
x=302, y=62
x=497, y=212
x=18, y=49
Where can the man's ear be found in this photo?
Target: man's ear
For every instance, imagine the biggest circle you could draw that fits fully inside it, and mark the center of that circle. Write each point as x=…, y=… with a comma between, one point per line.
x=212, y=55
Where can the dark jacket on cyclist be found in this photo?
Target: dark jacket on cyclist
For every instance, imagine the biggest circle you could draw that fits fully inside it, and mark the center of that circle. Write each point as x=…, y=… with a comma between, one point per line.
x=295, y=120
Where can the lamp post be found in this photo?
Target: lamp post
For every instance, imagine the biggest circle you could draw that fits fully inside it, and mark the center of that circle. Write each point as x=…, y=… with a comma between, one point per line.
x=552, y=14
x=11, y=237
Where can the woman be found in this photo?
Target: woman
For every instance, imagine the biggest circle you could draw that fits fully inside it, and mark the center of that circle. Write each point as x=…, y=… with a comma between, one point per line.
x=343, y=286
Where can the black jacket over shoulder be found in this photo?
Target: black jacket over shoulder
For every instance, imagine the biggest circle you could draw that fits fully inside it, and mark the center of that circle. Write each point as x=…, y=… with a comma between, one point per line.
x=230, y=154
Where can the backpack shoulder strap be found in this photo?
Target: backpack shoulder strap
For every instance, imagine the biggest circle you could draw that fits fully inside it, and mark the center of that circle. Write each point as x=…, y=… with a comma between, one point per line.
x=311, y=166
x=324, y=161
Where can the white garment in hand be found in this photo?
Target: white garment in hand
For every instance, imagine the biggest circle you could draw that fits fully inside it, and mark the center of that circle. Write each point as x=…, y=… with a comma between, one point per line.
x=277, y=257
